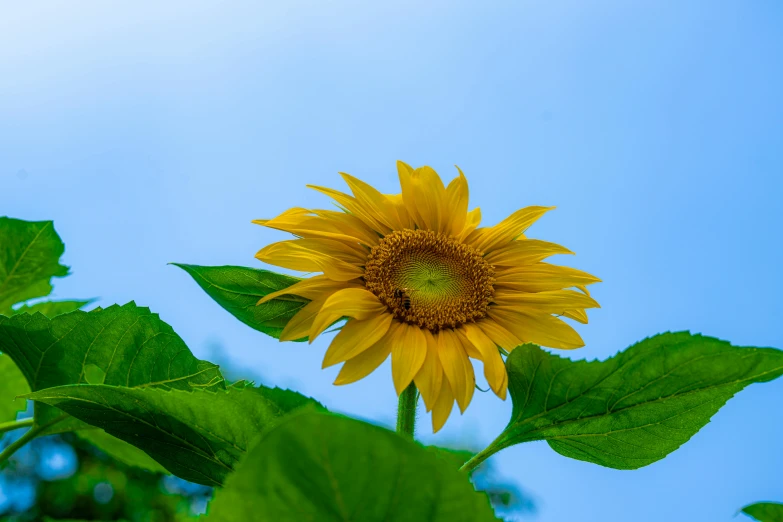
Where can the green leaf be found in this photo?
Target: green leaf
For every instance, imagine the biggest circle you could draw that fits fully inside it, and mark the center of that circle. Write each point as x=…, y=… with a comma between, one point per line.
x=29, y=257
x=198, y=435
x=316, y=466
x=765, y=511
x=12, y=384
x=634, y=408
x=129, y=344
x=238, y=289
x=120, y=450
x=48, y=519
x=456, y=457
x=52, y=308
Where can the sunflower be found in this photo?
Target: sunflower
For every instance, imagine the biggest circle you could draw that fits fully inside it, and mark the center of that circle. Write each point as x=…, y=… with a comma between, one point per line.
x=419, y=280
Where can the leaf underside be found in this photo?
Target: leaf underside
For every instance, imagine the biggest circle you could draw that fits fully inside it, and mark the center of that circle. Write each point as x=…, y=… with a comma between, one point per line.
x=238, y=290
x=120, y=450
x=29, y=257
x=634, y=408
x=765, y=511
x=198, y=435
x=12, y=385
x=315, y=466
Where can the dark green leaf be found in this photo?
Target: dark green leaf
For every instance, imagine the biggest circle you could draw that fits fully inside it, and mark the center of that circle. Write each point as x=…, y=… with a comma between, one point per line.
x=52, y=308
x=29, y=257
x=765, y=511
x=315, y=466
x=48, y=519
x=120, y=450
x=634, y=408
x=238, y=289
x=198, y=435
x=12, y=384
x=131, y=345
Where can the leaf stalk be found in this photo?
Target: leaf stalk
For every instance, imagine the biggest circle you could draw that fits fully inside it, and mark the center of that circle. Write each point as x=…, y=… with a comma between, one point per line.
x=21, y=441
x=476, y=460
x=15, y=425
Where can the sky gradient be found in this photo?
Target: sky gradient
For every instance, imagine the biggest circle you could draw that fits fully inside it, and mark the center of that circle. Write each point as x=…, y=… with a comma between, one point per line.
x=155, y=133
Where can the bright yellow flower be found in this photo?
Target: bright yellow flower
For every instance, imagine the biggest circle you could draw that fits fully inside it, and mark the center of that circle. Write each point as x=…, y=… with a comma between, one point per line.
x=419, y=280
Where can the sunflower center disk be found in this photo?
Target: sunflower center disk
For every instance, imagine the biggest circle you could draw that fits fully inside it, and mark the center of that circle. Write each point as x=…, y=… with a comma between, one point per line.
x=430, y=279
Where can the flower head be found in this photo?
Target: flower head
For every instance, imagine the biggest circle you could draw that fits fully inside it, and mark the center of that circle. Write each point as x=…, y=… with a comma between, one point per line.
x=419, y=280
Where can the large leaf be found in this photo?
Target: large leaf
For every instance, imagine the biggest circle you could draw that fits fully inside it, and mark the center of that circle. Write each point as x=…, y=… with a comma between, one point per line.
x=315, y=466
x=120, y=450
x=503, y=497
x=765, y=511
x=52, y=308
x=120, y=345
x=29, y=257
x=456, y=457
x=238, y=289
x=48, y=519
x=198, y=435
x=634, y=408
x=12, y=385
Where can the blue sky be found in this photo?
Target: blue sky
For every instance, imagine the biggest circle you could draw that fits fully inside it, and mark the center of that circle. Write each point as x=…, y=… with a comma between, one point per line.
x=155, y=133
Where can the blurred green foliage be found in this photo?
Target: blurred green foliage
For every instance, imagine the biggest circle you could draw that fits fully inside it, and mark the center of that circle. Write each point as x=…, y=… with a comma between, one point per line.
x=97, y=487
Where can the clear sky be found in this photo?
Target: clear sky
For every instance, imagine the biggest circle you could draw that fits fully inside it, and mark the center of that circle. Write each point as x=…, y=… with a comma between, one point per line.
x=153, y=132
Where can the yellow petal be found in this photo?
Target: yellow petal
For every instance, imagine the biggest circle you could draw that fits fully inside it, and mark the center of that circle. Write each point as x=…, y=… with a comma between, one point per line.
x=402, y=212
x=524, y=252
x=355, y=337
x=312, y=288
x=430, y=376
x=541, y=277
x=356, y=303
x=543, y=330
x=489, y=238
x=409, y=349
x=327, y=256
x=430, y=195
x=576, y=315
x=405, y=171
x=366, y=362
x=494, y=368
x=348, y=252
x=350, y=204
x=583, y=289
x=307, y=224
x=374, y=203
x=456, y=367
x=443, y=407
x=424, y=196
x=553, y=301
x=471, y=350
x=457, y=204
x=499, y=335
x=299, y=325
x=350, y=225
x=471, y=222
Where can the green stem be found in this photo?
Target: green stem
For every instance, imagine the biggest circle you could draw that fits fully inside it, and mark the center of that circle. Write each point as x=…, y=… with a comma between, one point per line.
x=478, y=458
x=21, y=441
x=406, y=411
x=29, y=435
x=15, y=425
